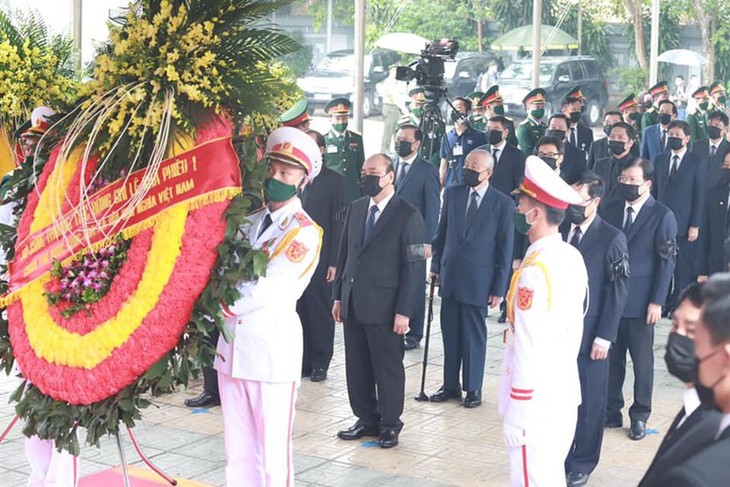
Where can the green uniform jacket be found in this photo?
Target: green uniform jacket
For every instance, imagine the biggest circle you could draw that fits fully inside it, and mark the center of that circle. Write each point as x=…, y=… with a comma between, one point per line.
x=346, y=155
x=528, y=133
x=650, y=117
x=698, y=125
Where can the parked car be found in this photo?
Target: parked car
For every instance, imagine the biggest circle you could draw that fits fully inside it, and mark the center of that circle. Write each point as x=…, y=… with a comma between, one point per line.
x=462, y=76
x=557, y=76
x=334, y=77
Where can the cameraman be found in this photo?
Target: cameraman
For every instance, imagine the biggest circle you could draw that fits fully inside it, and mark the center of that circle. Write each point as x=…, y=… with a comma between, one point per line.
x=459, y=141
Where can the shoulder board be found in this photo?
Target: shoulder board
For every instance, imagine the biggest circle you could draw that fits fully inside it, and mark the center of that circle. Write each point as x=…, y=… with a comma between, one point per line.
x=303, y=219
x=354, y=132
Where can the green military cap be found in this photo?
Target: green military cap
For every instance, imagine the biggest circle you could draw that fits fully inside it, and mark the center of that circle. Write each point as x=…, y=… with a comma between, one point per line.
x=418, y=90
x=701, y=92
x=491, y=96
x=535, y=96
x=296, y=115
x=628, y=102
x=338, y=106
x=475, y=96
x=716, y=87
x=575, y=93
x=659, y=88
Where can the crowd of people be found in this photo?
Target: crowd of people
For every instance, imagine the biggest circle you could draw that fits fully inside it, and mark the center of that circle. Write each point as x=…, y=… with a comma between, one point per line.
x=502, y=211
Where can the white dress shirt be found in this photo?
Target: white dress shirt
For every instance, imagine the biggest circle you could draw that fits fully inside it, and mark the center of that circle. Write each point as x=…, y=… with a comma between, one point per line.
x=381, y=206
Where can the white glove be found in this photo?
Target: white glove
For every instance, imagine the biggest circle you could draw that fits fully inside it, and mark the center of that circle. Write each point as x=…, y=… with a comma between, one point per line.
x=514, y=436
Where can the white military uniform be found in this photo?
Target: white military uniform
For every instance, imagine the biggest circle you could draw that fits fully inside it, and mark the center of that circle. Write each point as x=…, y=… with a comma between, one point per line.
x=540, y=389
x=260, y=369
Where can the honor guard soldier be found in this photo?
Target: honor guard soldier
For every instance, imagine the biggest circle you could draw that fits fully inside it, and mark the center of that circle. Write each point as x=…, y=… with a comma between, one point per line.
x=659, y=92
x=629, y=108
x=698, y=120
x=531, y=129
x=344, y=153
x=432, y=132
x=477, y=119
x=260, y=368
x=297, y=116
x=540, y=389
x=718, y=95
x=493, y=104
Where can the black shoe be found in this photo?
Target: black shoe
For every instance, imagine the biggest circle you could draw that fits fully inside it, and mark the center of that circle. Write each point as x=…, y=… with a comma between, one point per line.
x=473, y=399
x=358, y=430
x=577, y=479
x=614, y=423
x=638, y=430
x=443, y=395
x=318, y=374
x=388, y=438
x=204, y=400
x=411, y=343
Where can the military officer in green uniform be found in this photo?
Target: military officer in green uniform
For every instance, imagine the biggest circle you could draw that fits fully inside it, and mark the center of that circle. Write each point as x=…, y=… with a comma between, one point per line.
x=433, y=132
x=477, y=118
x=493, y=104
x=344, y=151
x=698, y=120
x=531, y=129
x=659, y=92
x=297, y=116
x=718, y=98
x=629, y=108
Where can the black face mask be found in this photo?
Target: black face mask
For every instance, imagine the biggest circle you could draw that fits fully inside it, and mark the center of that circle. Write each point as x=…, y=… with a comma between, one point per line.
x=470, y=177
x=403, y=148
x=576, y=214
x=607, y=130
x=494, y=137
x=550, y=161
x=705, y=393
x=559, y=134
x=714, y=132
x=674, y=143
x=575, y=117
x=629, y=192
x=680, y=357
x=370, y=185
x=616, y=147
x=665, y=118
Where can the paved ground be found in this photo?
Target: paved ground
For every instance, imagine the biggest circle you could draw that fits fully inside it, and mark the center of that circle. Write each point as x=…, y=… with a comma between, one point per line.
x=441, y=444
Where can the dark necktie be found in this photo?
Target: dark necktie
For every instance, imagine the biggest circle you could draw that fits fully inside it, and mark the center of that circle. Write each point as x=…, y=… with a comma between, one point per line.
x=575, y=240
x=495, y=153
x=573, y=136
x=370, y=222
x=471, y=210
x=713, y=151
x=663, y=140
x=673, y=170
x=629, y=219
x=266, y=224
x=403, y=170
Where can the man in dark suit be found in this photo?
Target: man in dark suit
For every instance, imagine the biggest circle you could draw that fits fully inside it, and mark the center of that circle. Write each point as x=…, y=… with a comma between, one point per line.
x=417, y=182
x=580, y=136
x=651, y=232
x=680, y=184
x=380, y=268
x=715, y=226
x=695, y=425
x=606, y=257
x=715, y=147
x=324, y=201
x=621, y=140
x=472, y=257
x=574, y=159
x=509, y=161
x=599, y=148
x=708, y=467
x=654, y=140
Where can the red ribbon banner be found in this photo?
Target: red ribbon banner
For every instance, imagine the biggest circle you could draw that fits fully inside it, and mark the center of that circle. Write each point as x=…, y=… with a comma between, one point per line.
x=206, y=169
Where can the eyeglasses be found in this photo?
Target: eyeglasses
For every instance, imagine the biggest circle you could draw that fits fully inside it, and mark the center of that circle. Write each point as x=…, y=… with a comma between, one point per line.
x=625, y=180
